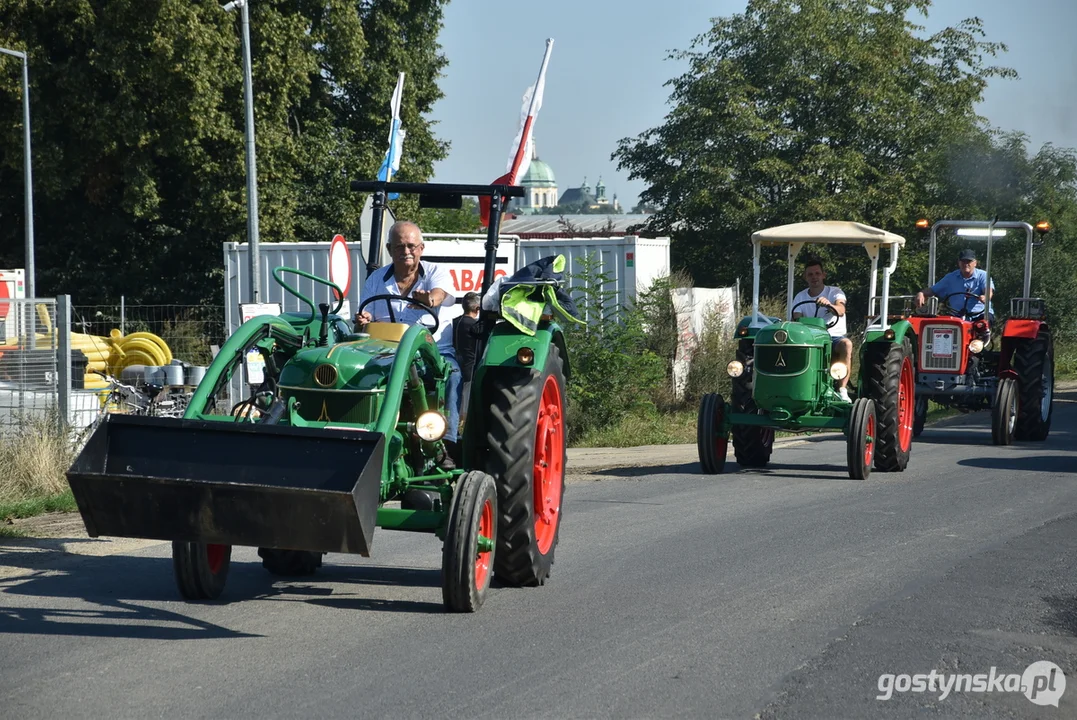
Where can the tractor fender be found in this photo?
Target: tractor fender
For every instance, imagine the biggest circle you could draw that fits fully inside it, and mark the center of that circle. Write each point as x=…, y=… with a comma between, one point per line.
x=900, y=329
x=505, y=342
x=1022, y=328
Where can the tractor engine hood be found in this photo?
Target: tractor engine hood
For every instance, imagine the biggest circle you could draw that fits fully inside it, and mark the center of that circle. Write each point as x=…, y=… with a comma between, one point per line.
x=357, y=365
x=791, y=359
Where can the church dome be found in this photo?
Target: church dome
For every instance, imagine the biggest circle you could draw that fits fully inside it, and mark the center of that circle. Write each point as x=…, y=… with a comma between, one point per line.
x=538, y=174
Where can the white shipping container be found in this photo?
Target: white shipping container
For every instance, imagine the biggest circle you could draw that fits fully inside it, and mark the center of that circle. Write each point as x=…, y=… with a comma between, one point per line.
x=631, y=263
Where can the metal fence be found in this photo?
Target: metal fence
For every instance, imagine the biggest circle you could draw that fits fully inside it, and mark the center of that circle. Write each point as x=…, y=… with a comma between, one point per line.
x=190, y=331
x=29, y=376
x=46, y=375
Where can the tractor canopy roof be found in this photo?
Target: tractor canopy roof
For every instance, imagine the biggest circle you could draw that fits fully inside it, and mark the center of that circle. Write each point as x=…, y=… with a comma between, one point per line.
x=841, y=232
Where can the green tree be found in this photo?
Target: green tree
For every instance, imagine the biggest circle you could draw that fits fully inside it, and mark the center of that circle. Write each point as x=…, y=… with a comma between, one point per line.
x=138, y=131
x=788, y=112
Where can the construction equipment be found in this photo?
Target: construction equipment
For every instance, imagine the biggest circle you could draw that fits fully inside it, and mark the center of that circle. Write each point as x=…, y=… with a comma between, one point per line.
x=344, y=434
x=783, y=373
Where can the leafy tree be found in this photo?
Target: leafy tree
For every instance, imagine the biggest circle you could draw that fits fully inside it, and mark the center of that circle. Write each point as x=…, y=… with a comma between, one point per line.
x=138, y=131
x=800, y=111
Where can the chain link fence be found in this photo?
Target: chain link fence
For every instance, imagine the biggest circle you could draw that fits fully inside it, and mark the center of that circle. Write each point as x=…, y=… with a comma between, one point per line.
x=29, y=376
x=37, y=385
x=190, y=331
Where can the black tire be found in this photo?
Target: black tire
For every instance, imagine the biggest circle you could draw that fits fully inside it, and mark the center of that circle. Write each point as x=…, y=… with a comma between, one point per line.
x=290, y=563
x=513, y=422
x=752, y=445
x=1033, y=360
x=711, y=443
x=465, y=571
x=1005, y=412
x=860, y=443
x=201, y=569
x=889, y=378
x=919, y=415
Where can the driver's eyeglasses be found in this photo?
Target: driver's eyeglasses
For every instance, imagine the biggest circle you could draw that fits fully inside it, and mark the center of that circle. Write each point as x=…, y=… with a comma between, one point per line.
x=410, y=248
x=966, y=262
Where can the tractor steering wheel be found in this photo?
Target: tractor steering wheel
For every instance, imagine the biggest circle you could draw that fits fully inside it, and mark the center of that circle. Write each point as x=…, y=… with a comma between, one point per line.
x=411, y=301
x=828, y=308
x=964, y=313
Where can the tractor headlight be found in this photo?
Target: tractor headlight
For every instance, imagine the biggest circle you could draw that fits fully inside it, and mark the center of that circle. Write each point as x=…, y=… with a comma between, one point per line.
x=839, y=370
x=735, y=368
x=976, y=346
x=431, y=426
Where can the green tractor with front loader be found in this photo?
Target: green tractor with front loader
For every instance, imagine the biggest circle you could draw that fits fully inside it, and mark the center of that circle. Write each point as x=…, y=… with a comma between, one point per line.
x=344, y=434
x=783, y=374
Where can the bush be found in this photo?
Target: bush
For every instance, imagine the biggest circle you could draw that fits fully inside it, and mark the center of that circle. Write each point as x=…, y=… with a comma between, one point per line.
x=34, y=459
x=613, y=371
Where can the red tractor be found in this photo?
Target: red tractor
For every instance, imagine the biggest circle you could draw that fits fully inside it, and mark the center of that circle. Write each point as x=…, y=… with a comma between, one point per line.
x=965, y=362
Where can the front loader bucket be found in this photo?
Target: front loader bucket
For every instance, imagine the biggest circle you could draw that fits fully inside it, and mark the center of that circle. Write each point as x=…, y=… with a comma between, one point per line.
x=230, y=483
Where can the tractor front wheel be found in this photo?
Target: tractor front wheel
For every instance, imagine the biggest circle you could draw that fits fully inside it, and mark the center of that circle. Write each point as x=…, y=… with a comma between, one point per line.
x=201, y=569
x=1005, y=412
x=752, y=445
x=889, y=380
x=711, y=441
x=1034, y=362
x=919, y=415
x=525, y=440
x=290, y=563
x=467, y=559
x=860, y=443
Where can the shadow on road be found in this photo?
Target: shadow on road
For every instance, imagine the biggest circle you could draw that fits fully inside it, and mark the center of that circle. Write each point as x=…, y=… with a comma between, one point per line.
x=1037, y=463
x=122, y=595
x=1063, y=615
x=113, y=588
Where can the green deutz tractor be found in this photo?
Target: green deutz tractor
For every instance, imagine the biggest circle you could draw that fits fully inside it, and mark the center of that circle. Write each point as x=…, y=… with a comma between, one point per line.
x=345, y=434
x=783, y=375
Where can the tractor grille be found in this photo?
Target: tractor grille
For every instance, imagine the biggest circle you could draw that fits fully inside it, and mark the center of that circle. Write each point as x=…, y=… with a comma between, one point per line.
x=339, y=406
x=781, y=359
x=942, y=347
x=325, y=375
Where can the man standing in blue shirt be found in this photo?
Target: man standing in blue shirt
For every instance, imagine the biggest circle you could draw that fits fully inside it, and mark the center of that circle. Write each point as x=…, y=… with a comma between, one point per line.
x=966, y=279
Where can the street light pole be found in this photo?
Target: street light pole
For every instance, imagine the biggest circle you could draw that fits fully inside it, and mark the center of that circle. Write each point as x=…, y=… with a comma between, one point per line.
x=252, y=173
x=27, y=172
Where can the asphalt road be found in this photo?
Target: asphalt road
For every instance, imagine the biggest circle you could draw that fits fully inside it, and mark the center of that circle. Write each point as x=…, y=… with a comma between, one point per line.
x=782, y=593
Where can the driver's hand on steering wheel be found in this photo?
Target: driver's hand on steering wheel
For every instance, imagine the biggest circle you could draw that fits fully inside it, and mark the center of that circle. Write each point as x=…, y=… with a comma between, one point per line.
x=421, y=296
x=823, y=301
x=363, y=318
x=920, y=299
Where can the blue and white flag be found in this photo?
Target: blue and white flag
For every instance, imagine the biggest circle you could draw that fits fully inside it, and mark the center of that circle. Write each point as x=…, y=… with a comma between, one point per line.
x=391, y=164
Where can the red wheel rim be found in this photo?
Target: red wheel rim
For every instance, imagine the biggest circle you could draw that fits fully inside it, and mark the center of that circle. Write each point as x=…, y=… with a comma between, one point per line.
x=215, y=557
x=906, y=405
x=869, y=445
x=482, y=559
x=549, y=464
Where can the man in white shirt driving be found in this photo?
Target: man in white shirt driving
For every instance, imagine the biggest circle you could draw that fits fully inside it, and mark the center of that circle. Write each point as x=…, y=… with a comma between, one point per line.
x=829, y=301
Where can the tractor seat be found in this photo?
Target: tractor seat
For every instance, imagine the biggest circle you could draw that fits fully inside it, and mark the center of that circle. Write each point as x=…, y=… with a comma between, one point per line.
x=390, y=332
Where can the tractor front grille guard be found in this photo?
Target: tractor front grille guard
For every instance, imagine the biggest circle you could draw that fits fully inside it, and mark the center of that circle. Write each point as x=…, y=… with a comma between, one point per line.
x=942, y=347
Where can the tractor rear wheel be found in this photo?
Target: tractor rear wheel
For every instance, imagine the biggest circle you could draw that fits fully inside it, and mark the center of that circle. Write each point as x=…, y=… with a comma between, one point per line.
x=860, y=442
x=467, y=558
x=1034, y=362
x=1005, y=412
x=711, y=442
x=201, y=569
x=525, y=442
x=752, y=445
x=890, y=381
x=290, y=563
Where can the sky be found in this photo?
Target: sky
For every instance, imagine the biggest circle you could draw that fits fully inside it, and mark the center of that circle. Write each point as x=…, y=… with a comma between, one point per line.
x=610, y=62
